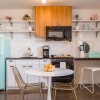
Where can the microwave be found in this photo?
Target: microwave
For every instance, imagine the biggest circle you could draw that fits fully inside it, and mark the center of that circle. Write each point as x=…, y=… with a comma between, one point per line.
x=59, y=33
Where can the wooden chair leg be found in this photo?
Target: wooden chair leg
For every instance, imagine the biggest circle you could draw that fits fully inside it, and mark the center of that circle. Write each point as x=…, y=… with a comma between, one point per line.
x=75, y=95
x=22, y=96
x=52, y=94
x=55, y=91
x=41, y=95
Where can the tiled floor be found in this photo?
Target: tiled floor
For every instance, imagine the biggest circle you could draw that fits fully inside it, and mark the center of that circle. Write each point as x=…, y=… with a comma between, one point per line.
x=61, y=95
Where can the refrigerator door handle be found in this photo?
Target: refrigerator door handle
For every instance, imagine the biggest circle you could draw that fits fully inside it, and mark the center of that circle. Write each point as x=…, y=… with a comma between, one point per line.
x=11, y=66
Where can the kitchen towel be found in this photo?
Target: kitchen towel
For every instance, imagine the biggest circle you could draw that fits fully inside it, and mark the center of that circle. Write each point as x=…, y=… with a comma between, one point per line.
x=63, y=65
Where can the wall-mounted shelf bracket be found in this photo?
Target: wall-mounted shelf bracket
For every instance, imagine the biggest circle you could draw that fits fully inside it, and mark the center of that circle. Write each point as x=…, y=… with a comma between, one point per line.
x=97, y=22
x=76, y=33
x=11, y=23
x=11, y=33
x=29, y=23
x=76, y=23
x=97, y=33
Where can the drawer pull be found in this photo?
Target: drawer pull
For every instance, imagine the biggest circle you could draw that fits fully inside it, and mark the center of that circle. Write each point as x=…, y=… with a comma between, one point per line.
x=44, y=60
x=30, y=66
x=10, y=60
x=11, y=66
x=23, y=66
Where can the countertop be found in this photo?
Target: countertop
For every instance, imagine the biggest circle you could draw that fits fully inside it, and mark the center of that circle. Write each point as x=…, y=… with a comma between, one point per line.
x=86, y=58
x=40, y=58
x=28, y=58
x=55, y=58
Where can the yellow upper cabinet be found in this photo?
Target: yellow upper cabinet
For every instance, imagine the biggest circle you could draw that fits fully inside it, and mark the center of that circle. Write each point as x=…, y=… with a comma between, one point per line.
x=51, y=16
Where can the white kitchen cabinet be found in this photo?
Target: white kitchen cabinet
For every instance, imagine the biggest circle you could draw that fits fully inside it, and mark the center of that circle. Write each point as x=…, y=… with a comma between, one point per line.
x=10, y=82
x=22, y=69
x=33, y=79
x=45, y=61
x=23, y=65
x=33, y=64
x=42, y=62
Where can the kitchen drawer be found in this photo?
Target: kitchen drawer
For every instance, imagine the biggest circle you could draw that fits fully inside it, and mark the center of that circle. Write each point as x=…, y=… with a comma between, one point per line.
x=10, y=62
x=45, y=61
x=27, y=62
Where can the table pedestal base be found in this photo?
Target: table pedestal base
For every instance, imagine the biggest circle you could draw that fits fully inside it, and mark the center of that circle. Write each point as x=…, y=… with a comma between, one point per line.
x=49, y=89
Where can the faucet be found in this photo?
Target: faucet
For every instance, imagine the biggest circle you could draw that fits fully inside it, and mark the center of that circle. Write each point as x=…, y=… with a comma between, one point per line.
x=29, y=52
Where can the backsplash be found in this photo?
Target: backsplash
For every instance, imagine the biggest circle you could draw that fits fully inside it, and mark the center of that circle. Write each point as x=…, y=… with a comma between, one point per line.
x=21, y=42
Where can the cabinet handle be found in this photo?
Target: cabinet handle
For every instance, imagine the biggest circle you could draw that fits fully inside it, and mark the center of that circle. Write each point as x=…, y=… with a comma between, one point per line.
x=11, y=66
x=44, y=60
x=30, y=66
x=10, y=60
x=23, y=66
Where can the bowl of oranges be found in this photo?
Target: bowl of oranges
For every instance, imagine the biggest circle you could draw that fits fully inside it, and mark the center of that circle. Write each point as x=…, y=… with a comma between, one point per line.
x=49, y=67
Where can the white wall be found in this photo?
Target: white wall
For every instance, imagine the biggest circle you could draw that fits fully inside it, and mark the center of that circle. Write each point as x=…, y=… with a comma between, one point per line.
x=89, y=37
x=21, y=41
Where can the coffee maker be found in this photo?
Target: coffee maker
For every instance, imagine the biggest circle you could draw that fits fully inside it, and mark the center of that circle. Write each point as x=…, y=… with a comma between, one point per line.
x=46, y=51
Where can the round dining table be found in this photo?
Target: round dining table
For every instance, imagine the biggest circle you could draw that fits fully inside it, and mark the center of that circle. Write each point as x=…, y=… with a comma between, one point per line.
x=56, y=73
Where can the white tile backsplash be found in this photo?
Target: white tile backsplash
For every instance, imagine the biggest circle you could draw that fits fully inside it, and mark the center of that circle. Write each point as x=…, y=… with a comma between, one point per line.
x=21, y=42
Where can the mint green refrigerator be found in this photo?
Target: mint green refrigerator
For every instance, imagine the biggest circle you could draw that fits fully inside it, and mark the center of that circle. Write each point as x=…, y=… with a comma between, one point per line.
x=4, y=53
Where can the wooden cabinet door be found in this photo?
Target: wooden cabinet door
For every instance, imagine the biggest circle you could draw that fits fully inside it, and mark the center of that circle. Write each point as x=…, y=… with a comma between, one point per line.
x=62, y=17
x=40, y=21
x=68, y=16
x=55, y=15
x=43, y=19
x=47, y=15
x=65, y=16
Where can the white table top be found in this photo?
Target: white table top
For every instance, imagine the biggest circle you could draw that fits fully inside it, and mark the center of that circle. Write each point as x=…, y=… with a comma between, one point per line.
x=57, y=72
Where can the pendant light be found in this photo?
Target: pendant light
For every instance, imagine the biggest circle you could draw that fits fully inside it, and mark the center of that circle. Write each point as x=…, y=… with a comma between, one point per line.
x=43, y=1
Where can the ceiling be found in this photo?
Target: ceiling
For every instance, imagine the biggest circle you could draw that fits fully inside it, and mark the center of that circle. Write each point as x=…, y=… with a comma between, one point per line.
x=27, y=4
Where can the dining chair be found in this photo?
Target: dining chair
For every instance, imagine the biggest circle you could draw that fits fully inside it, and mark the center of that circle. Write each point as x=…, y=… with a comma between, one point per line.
x=27, y=87
x=72, y=86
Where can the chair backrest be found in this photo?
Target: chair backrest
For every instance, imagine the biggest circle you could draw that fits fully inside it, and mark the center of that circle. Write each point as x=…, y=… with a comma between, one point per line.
x=77, y=76
x=21, y=84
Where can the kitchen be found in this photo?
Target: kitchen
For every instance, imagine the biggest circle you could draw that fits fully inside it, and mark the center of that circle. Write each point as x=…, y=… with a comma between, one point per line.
x=20, y=42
